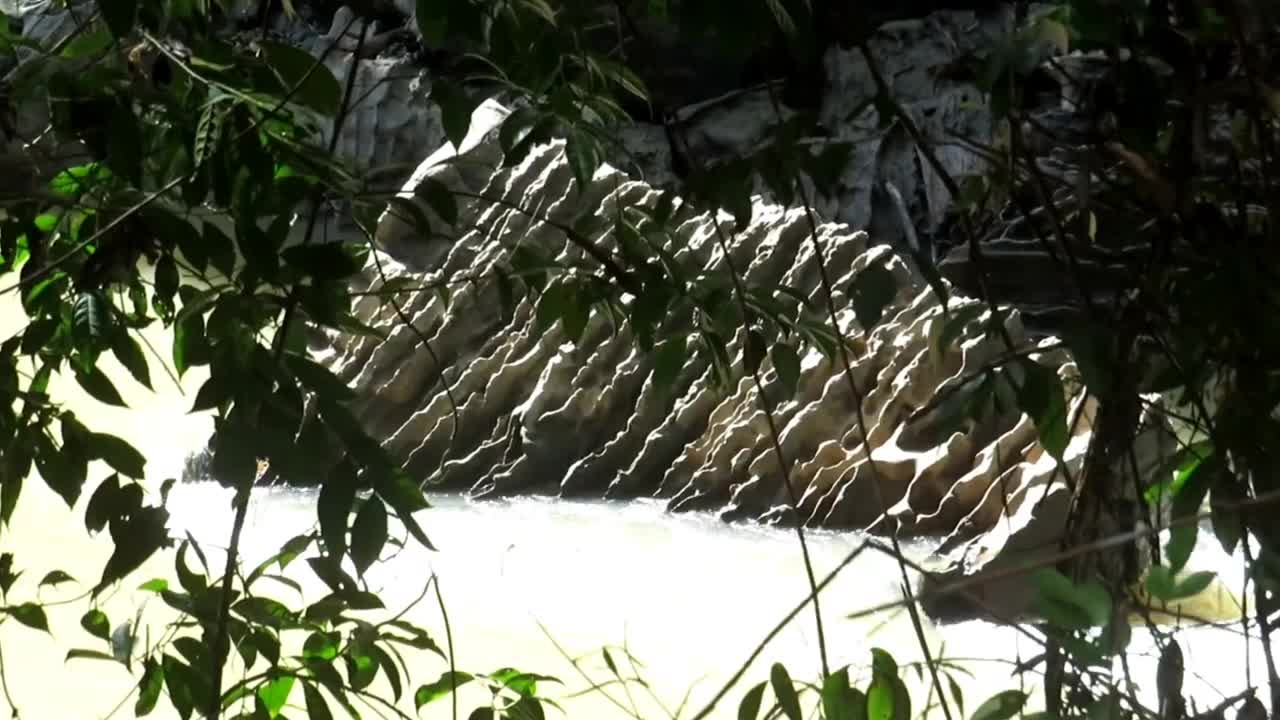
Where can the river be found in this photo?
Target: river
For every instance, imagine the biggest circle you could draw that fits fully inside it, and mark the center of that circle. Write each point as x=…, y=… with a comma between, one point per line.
x=689, y=596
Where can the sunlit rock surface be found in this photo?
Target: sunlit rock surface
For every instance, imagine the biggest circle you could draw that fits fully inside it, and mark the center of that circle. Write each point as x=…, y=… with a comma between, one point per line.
x=536, y=413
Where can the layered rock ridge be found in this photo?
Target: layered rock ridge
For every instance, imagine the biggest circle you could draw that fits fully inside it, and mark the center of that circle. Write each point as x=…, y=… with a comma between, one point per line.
x=537, y=413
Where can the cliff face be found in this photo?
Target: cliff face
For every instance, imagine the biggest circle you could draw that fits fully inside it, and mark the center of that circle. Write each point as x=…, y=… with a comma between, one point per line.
x=536, y=412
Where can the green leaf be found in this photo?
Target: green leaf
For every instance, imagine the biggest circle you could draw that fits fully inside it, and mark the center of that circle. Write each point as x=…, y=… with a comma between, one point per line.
x=155, y=585
x=1001, y=706
x=872, y=291
x=1041, y=396
x=785, y=691
x=275, y=693
x=749, y=708
x=321, y=646
x=1162, y=584
x=368, y=534
x=1187, y=463
x=31, y=615
x=881, y=698
x=99, y=387
x=149, y=688
x=264, y=611
x=1068, y=605
x=120, y=455
x=787, y=364
x=119, y=16
x=583, y=156
x=96, y=623
x=303, y=75
x=440, y=688
x=317, y=707
x=124, y=142
x=129, y=353
x=839, y=700
x=89, y=320
x=189, y=344
x=1182, y=541
x=957, y=695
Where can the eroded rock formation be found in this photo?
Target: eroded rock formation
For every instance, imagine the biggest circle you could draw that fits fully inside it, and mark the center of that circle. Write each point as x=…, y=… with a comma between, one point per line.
x=537, y=413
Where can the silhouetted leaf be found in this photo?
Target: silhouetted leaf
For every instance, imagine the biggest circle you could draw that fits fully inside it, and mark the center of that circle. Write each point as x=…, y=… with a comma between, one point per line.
x=873, y=289
x=120, y=455
x=55, y=578
x=333, y=508
x=119, y=16
x=82, y=654
x=317, y=707
x=304, y=78
x=135, y=540
x=328, y=261
x=583, y=156
x=440, y=199
x=31, y=615
x=753, y=351
x=785, y=691
x=129, y=353
x=149, y=688
x=668, y=361
x=99, y=387
x=1042, y=397
x=1001, y=706
x=1182, y=540
x=787, y=364
x=368, y=534
x=455, y=108
x=319, y=378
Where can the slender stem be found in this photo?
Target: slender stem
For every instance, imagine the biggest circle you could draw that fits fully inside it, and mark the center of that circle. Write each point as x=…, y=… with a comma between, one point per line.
x=448, y=641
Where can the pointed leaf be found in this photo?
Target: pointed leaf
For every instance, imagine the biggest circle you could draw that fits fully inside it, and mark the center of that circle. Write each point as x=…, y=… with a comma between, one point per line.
x=872, y=291
x=368, y=534
x=785, y=691
x=99, y=387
